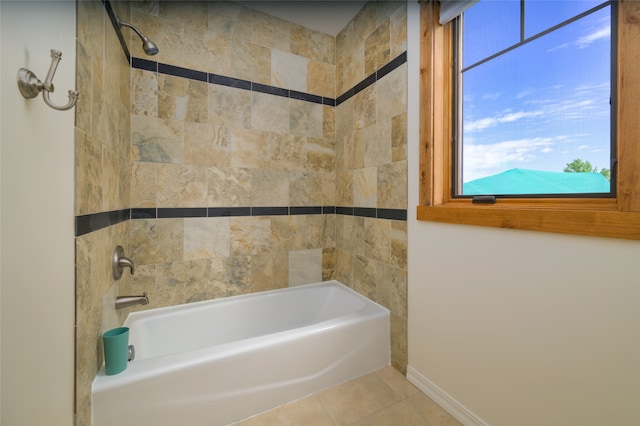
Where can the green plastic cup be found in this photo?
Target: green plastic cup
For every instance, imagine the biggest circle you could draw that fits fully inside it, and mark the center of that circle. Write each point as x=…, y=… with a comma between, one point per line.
x=116, y=350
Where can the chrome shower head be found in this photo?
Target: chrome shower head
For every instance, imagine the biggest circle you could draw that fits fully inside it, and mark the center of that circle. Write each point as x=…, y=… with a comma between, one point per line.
x=149, y=47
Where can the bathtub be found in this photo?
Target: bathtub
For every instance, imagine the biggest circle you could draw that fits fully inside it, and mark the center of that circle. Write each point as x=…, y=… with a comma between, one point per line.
x=220, y=361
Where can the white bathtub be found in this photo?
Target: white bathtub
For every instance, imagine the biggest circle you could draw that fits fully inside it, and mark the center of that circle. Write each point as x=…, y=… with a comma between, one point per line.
x=219, y=361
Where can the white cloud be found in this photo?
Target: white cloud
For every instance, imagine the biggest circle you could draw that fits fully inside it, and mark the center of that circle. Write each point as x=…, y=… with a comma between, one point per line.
x=484, y=160
x=585, y=41
x=505, y=117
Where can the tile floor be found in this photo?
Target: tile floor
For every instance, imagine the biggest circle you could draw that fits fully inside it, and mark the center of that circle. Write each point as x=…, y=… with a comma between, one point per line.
x=382, y=398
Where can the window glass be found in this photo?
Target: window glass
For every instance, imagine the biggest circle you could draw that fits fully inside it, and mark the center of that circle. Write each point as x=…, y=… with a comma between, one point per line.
x=544, y=14
x=490, y=27
x=536, y=120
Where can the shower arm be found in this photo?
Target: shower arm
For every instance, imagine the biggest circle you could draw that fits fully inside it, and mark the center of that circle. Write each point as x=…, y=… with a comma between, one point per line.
x=126, y=24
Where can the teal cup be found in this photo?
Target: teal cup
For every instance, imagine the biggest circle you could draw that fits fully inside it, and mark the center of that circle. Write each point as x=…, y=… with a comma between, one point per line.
x=116, y=350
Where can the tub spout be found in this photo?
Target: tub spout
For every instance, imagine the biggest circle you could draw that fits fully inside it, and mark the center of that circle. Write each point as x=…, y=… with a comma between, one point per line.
x=124, y=301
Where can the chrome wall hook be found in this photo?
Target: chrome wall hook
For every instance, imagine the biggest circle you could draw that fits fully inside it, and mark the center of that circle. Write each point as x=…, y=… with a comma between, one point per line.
x=30, y=86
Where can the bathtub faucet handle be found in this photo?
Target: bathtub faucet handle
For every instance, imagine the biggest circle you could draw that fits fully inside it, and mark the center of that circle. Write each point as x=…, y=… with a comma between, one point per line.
x=119, y=261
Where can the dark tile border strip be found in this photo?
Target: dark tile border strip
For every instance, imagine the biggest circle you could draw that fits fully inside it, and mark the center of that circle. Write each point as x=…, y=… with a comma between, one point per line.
x=386, y=69
x=182, y=72
x=229, y=211
x=237, y=83
x=167, y=213
x=94, y=222
x=223, y=80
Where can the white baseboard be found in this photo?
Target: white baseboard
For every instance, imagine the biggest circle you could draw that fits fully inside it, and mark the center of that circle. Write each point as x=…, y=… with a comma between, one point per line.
x=443, y=399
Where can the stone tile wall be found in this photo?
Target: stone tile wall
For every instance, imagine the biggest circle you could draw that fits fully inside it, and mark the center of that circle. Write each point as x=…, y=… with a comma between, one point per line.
x=183, y=146
x=199, y=145
x=371, y=162
x=102, y=183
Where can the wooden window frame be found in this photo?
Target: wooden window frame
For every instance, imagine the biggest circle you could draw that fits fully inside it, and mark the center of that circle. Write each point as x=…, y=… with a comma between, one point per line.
x=617, y=217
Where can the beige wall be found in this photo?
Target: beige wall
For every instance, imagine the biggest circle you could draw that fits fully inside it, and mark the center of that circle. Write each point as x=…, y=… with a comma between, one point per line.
x=516, y=327
x=37, y=219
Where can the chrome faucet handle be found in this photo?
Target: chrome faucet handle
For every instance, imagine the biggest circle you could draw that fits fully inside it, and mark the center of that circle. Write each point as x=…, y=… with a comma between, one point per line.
x=119, y=261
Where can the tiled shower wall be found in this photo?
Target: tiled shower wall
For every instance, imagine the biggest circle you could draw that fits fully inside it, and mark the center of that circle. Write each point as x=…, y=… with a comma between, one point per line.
x=102, y=184
x=236, y=182
x=251, y=154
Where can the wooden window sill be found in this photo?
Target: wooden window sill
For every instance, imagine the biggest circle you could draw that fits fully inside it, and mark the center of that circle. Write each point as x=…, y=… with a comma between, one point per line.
x=590, y=222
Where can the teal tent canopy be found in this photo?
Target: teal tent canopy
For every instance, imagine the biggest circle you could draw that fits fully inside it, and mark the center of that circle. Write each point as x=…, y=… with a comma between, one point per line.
x=523, y=181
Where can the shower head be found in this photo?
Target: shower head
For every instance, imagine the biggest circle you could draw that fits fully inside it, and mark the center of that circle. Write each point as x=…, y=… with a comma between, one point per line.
x=149, y=47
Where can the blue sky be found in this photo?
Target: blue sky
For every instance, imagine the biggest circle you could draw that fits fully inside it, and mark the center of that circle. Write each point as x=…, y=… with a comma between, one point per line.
x=521, y=111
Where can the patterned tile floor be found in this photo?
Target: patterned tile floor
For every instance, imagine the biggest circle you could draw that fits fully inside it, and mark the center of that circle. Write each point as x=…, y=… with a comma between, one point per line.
x=382, y=398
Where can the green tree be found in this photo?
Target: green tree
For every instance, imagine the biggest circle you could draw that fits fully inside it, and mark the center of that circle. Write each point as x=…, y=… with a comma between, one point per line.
x=581, y=166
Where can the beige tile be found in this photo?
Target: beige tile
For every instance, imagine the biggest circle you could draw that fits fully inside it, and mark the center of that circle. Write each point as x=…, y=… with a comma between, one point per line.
x=251, y=236
x=399, y=137
x=399, y=414
x=306, y=189
x=306, y=118
x=182, y=186
x=431, y=413
x=271, y=32
x=157, y=140
x=357, y=399
x=305, y=267
x=230, y=276
x=248, y=149
x=88, y=174
x=365, y=22
x=269, y=188
x=207, y=145
x=377, y=49
x=182, y=99
x=397, y=382
x=313, y=44
x=307, y=412
x=269, y=113
x=392, y=186
x=229, y=106
x=288, y=71
x=365, y=187
x=321, y=79
x=364, y=108
x=229, y=187
x=399, y=30
x=321, y=154
x=231, y=19
x=269, y=272
x=144, y=93
x=399, y=343
x=365, y=277
x=181, y=282
x=377, y=239
x=399, y=244
x=328, y=263
x=206, y=237
x=344, y=266
x=392, y=289
x=143, y=184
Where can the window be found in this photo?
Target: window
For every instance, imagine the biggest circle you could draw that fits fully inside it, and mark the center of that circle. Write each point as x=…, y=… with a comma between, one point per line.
x=533, y=96
x=616, y=215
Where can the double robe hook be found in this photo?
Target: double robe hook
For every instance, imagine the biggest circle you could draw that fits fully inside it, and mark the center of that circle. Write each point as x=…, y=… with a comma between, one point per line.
x=30, y=86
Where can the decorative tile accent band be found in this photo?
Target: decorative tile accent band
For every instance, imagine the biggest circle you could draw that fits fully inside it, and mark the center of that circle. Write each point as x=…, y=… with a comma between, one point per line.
x=94, y=222
x=147, y=65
